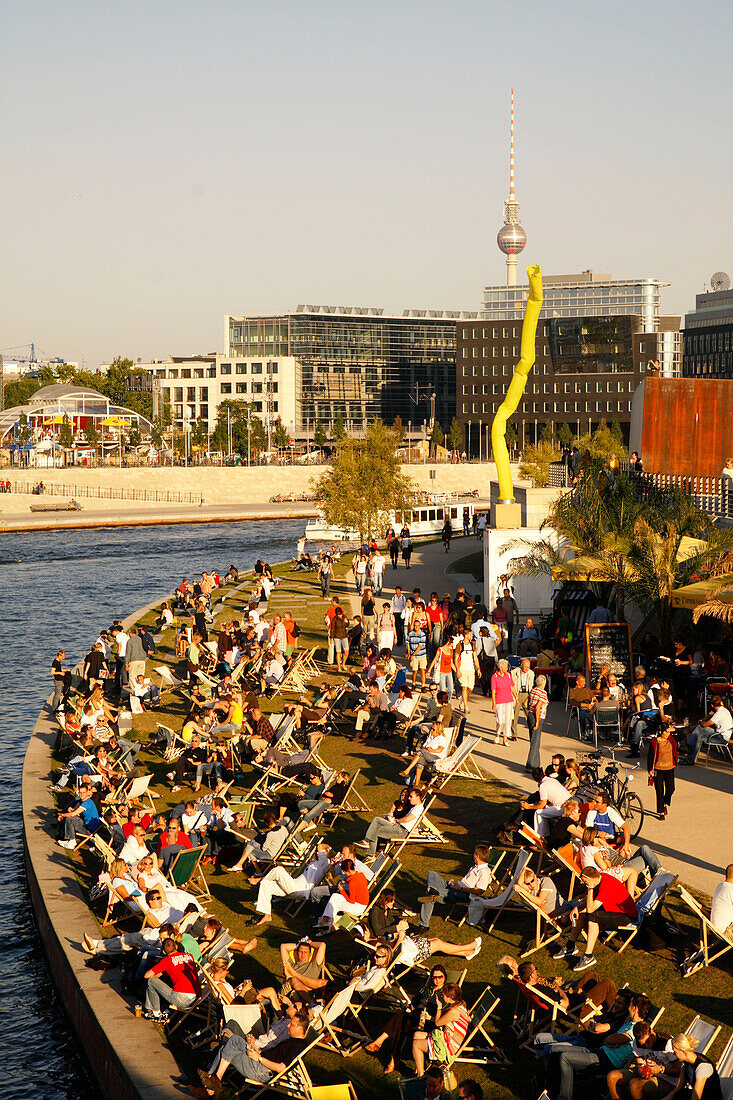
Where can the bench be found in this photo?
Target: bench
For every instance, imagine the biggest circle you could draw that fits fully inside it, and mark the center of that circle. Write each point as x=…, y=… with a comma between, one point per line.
x=56, y=506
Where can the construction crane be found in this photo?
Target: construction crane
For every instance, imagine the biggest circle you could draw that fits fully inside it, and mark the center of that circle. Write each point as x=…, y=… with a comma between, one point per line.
x=51, y=360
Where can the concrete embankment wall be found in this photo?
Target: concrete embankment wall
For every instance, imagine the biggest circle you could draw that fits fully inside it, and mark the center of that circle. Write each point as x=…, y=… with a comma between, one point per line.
x=227, y=486
x=127, y=1056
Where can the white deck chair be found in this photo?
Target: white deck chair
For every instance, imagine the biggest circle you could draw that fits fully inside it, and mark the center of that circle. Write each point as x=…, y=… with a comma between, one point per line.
x=708, y=932
x=460, y=763
x=478, y=906
x=725, y=1070
x=645, y=904
x=168, y=681
x=703, y=1033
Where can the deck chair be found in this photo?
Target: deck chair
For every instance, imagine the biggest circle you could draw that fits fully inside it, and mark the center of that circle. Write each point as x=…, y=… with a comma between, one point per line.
x=168, y=680
x=186, y=874
x=422, y=832
x=379, y=882
x=566, y=859
x=725, y=1070
x=494, y=860
x=352, y=802
x=138, y=788
x=460, y=763
x=547, y=928
x=703, y=1033
x=293, y=1081
x=205, y=1007
x=333, y=1092
x=478, y=1047
x=710, y=936
x=295, y=902
x=653, y=896
x=339, y=1004
x=479, y=906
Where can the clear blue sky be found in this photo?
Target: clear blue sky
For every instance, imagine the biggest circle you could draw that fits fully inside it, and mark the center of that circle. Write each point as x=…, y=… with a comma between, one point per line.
x=165, y=163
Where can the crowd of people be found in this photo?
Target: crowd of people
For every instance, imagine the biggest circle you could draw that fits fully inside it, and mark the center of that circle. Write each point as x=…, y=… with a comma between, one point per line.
x=409, y=667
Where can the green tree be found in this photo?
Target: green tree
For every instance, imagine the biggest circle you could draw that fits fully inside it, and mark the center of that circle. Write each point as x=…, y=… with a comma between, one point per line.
x=456, y=434
x=134, y=438
x=536, y=461
x=280, y=435
x=617, y=432
x=565, y=435
x=19, y=391
x=512, y=438
x=66, y=435
x=601, y=444
x=339, y=429
x=365, y=482
x=436, y=437
x=319, y=434
x=245, y=423
x=399, y=429
x=199, y=434
x=91, y=435
x=546, y=432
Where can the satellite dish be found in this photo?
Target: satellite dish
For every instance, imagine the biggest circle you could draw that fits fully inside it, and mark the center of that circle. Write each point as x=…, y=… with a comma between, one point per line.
x=720, y=281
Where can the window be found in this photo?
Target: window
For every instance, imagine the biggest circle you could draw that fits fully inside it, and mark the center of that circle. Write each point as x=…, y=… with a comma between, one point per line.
x=258, y=406
x=173, y=372
x=256, y=387
x=494, y=353
x=225, y=368
x=190, y=393
x=505, y=332
x=272, y=368
x=495, y=332
x=273, y=387
x=474, y=407
x=241, y=368
x=466, y=389
x=198, y=372
x=241, y=387
x=568, y=387
x=226, y=387
x=186, y=373
x=465, y=407
x=465, y=353
x=204, y=412
x=203, y=393
x=178, y=393
x=484, y=389
x=257, y=368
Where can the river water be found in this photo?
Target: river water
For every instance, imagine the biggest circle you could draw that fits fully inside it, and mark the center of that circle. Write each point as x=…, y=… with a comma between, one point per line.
x=57, y=590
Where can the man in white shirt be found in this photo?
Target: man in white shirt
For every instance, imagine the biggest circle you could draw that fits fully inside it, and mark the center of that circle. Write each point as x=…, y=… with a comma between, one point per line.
x=378, y=565
x=386, y=828
x=473, y=884
x=721, y=913
x=719, y=724
x=552, y=798
x=524, y=682
x=277, y=883
x=397, y=605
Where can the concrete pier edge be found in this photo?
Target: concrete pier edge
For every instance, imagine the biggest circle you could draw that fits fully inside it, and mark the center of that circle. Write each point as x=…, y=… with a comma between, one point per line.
x=128, y=1058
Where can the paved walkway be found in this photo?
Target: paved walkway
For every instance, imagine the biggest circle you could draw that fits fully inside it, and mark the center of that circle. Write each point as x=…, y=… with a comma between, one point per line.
x=694, y=841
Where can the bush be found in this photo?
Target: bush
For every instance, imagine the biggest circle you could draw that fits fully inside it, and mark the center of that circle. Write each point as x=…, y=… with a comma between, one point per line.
x=536, y=462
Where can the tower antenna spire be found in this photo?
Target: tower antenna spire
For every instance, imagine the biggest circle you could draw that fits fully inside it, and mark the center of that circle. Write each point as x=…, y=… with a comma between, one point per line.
x=511, y=151
x=511, y=238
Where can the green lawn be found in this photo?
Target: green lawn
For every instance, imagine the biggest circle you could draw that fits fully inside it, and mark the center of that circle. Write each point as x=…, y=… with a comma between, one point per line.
x=468, y=813
x=471, y=563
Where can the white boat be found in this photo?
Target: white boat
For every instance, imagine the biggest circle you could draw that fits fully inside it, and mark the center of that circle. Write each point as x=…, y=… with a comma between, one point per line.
x=425, y=519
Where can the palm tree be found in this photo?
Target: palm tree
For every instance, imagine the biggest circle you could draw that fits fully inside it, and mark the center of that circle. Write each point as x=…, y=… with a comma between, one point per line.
x=642, y=543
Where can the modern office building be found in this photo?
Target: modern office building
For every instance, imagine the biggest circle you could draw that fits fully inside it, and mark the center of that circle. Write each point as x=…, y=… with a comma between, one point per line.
x=708, y=333
x=594, y=339
x=357, y=363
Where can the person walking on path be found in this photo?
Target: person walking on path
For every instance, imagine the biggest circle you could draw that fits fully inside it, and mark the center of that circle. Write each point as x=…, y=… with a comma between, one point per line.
x=504, y=698
x=397, y=605
x=324, y=576
x=466, y=666
x=406, y=543
x=536, y=711
x=661, y=763
x=523, y=682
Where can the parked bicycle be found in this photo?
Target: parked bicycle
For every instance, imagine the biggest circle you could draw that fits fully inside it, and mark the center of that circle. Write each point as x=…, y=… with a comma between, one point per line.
x=627, y=802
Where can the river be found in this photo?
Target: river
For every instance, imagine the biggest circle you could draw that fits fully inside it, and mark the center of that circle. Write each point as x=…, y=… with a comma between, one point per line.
x=57, y=590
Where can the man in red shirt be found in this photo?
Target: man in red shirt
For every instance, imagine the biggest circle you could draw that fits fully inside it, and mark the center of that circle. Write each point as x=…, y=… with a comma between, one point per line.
x=352, y=897
x=327, y=618
x=136, y=817
x=170, y=843
x=608, y=905
x=183, y=985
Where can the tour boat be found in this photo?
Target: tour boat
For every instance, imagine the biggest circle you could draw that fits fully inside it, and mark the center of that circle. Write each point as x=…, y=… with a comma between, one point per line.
x=425, y=519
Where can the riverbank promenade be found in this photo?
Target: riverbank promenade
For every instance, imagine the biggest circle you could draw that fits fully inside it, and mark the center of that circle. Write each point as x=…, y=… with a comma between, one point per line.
x=465, y=811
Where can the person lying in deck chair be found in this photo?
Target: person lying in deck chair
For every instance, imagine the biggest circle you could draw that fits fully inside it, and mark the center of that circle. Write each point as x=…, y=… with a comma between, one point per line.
x=253, y=1063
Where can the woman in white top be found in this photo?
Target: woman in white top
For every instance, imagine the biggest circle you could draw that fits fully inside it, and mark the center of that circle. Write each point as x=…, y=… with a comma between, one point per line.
x=134, y=848
x=124, y=884
x=385, y=629
x=376, y=975
x=594, y=852
x=148, y=876
x=465, y=663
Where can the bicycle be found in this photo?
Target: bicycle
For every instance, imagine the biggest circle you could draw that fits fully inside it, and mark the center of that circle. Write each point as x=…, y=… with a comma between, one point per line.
x=628, y=804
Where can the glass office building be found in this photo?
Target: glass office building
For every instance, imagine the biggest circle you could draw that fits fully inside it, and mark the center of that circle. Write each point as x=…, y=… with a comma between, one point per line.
x=708, y=337
x=592, y=345
x=584, y=295
x=358, y=364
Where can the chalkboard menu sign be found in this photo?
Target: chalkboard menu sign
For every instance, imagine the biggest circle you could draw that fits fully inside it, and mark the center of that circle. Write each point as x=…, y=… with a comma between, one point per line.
x=608, y=644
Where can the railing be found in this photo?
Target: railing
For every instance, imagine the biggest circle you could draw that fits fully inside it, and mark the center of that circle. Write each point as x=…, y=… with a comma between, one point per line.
x=97, y=492
x=713, y=495
x=559, y=475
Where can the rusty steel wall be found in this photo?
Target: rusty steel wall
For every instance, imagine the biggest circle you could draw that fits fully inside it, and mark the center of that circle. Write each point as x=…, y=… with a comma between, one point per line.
x=688, y=425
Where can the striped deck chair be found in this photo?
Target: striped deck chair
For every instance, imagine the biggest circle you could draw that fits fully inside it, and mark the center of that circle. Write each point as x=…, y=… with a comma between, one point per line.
x=477, y=1046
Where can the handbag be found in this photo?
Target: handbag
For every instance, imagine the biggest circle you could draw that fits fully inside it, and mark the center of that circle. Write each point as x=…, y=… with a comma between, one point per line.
x=650, y=780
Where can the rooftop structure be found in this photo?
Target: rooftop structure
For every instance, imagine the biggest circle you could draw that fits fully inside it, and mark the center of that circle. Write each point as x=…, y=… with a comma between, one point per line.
x=708, y=332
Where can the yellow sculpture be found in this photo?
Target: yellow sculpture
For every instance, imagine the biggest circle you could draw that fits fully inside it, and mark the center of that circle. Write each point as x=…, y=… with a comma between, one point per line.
x=517, y=384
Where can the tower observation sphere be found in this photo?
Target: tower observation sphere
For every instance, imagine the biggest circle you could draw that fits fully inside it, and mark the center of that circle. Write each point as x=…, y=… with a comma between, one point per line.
x=511, y=239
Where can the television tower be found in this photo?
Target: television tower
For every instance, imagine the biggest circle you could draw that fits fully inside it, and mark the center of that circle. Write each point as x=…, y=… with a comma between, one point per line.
x=511, y=238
